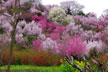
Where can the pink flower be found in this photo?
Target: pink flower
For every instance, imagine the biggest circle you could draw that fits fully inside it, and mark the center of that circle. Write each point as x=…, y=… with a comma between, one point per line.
x=49, y=45
x=36, y=17
x=43, y=22
x=51, y=26
x=74, y=47
x=32, y=29
x=36, y=44
x=54, y=36
x=60, y=29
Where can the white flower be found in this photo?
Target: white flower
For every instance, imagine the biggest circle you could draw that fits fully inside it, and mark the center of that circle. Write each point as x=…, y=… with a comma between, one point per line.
x=88, y=35
x=4, y=39
x=7, y=27
x=57, y=14
x=32, y=29
x=22, y=23
x=74, y=29
x=69, y=19
x=95, y=44
x=19, y=38
x=49, y=44
x=42, y=37
x=19, y=30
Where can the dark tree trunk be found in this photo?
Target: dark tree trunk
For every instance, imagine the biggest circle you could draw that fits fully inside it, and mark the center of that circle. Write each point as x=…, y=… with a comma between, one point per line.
x=12, y=45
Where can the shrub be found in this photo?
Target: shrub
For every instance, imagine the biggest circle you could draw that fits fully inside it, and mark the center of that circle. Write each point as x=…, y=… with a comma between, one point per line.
x=67, y=68
x=75, y=47
x=32, y=57
x=43, y=58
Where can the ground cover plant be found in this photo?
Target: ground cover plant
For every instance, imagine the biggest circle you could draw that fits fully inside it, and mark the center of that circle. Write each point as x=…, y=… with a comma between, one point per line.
x=35, y=34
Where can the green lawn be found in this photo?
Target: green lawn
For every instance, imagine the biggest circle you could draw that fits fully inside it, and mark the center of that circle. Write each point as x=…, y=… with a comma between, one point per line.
x=26, y=68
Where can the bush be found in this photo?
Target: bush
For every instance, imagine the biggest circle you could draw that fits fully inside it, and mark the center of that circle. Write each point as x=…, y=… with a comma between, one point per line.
x=43, y=58
x=32, y=57
x=67, y=68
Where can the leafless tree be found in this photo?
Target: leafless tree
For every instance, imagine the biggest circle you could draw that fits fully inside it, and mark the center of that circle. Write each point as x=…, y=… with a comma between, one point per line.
x=72, y=6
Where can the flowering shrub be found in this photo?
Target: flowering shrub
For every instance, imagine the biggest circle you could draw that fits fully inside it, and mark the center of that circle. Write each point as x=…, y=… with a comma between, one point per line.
x=73, y=47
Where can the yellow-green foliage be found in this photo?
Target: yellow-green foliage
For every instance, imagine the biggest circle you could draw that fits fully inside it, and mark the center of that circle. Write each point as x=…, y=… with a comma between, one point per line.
x=81, y=64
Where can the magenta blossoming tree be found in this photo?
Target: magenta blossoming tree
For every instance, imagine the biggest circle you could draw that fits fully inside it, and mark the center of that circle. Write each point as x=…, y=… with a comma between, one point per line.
x=74, y=47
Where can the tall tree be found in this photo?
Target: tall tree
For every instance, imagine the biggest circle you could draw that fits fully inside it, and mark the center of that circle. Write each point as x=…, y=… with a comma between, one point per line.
x=72, y=7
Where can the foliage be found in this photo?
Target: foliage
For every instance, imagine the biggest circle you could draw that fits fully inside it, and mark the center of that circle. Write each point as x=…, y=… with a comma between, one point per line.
x=67, y=68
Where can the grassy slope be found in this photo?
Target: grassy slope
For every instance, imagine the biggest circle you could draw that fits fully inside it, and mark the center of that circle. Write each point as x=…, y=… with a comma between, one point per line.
x=24, y=68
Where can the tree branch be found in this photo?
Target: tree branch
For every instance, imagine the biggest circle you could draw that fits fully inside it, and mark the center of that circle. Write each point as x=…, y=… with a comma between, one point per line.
x=71, y=62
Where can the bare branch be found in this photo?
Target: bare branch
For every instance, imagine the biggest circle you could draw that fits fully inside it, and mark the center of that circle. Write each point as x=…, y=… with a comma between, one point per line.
x=71, y=62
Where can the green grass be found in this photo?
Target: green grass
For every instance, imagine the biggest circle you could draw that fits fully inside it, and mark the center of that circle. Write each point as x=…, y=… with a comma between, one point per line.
x=26, y=68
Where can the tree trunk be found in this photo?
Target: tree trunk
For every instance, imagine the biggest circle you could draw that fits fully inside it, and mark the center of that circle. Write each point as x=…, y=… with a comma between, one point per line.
x=12, y=45
x=11, y=50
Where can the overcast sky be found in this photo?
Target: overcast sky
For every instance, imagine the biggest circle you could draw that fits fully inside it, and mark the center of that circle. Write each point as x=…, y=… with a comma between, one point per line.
x=96, y=6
